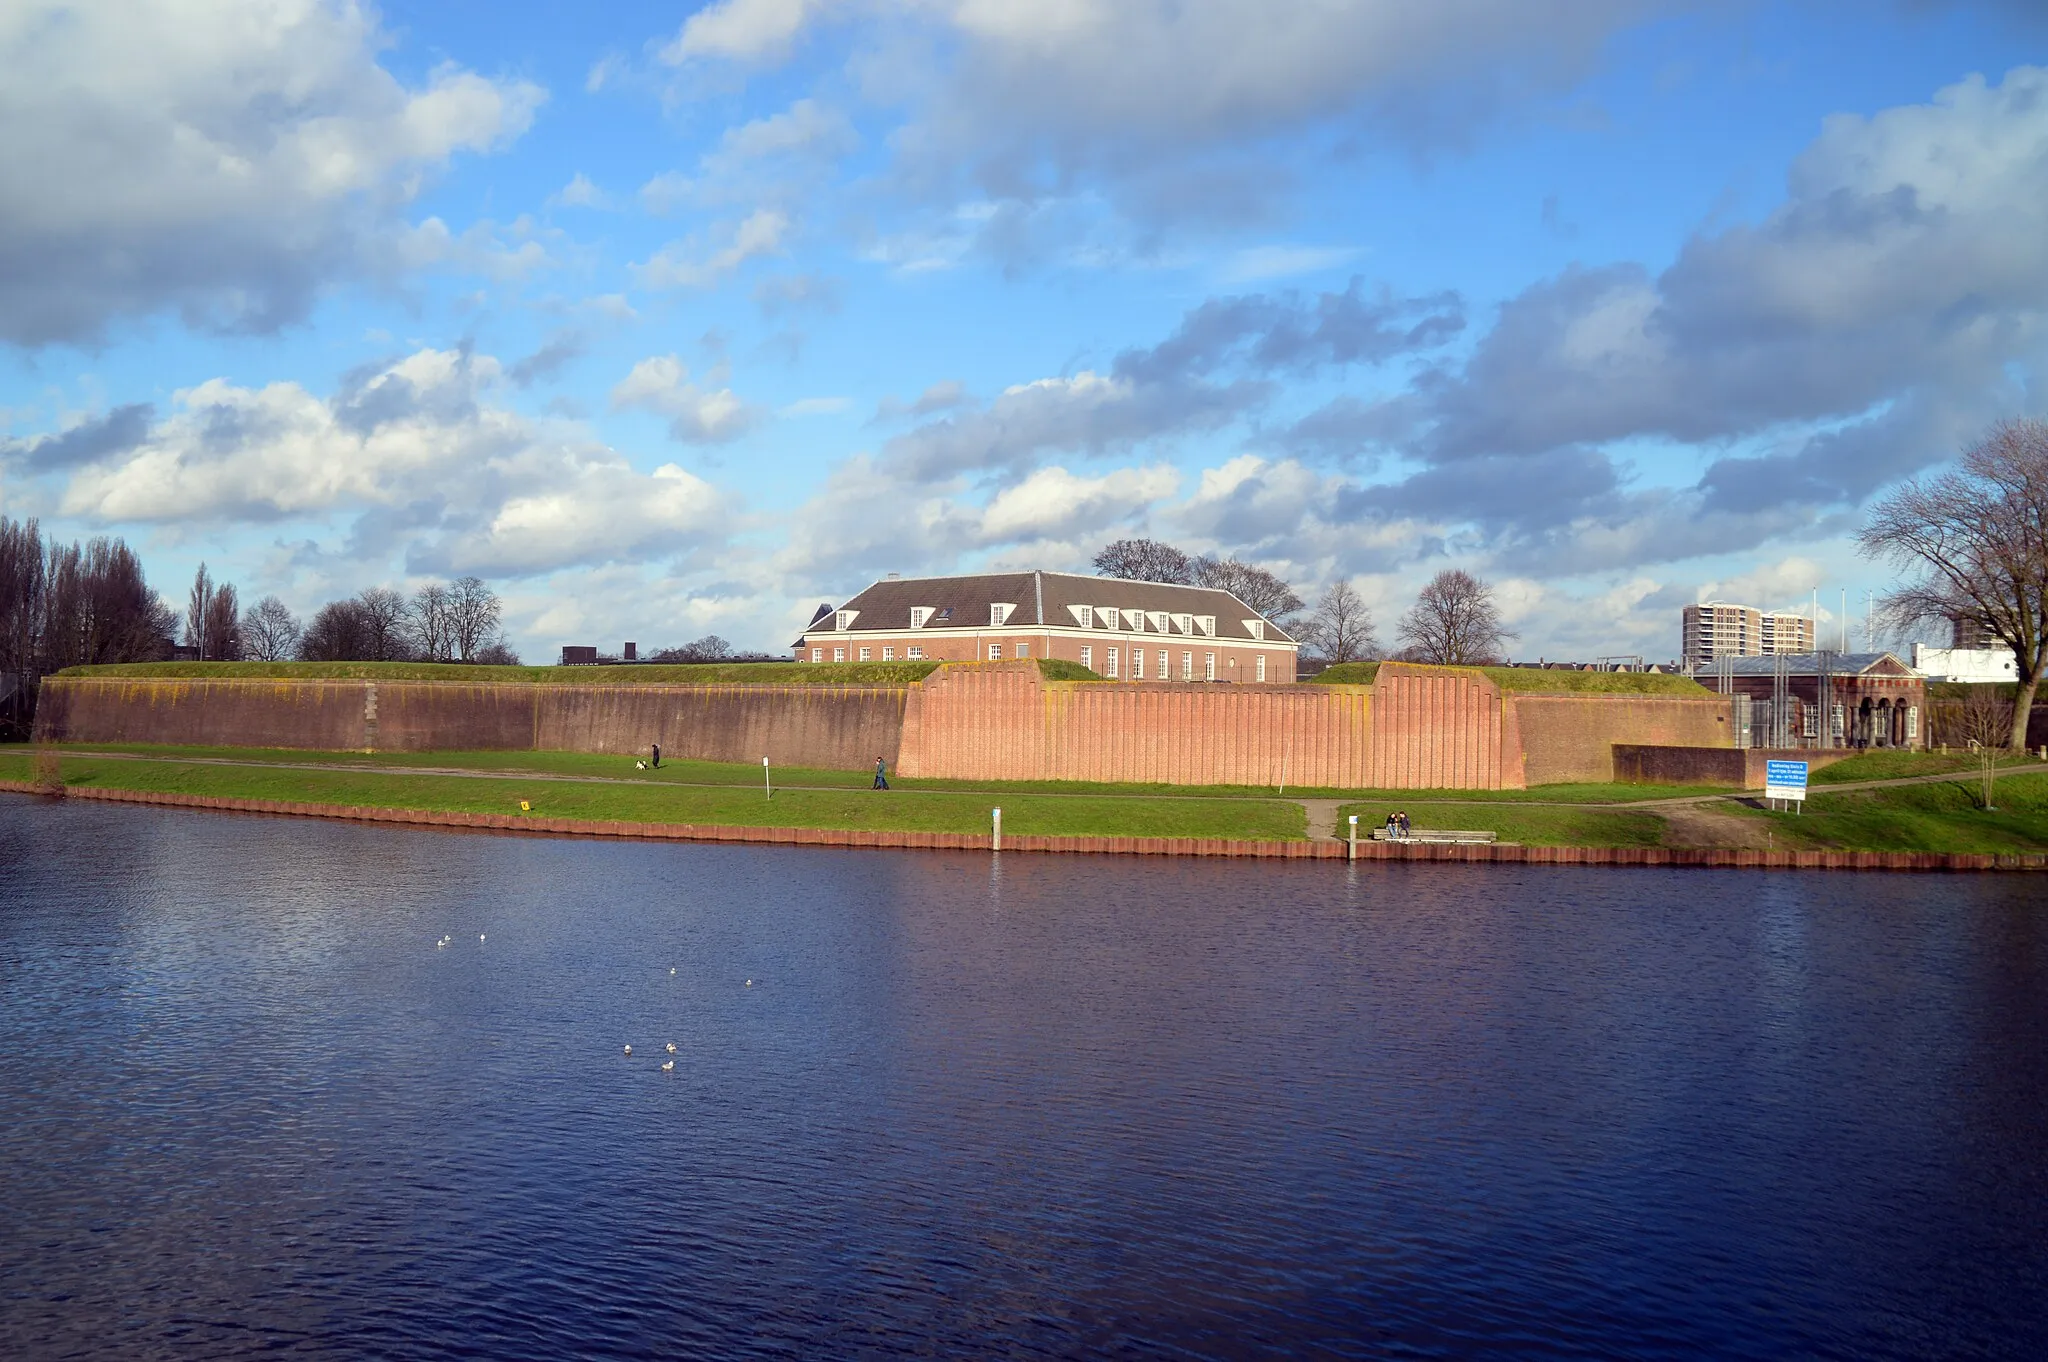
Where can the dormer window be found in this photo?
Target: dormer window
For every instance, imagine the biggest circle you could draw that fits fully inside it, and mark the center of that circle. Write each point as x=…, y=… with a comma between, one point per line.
x=1156, y=619
x=918, y=615
x=1206, y=624
x=1134, y=620
x=1081, y=614
x=1184, y=624
x=842, y=620
x=1256, y=628
x=999, y=614
x=1105, y=617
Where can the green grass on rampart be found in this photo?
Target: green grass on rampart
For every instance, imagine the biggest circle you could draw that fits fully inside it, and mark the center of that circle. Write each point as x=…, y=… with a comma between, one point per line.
x=635, y=800
x=639, y=674
x=1534, y=680
x=1894, y=763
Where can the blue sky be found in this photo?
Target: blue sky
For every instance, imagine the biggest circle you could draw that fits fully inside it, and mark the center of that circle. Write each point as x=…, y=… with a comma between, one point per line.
x=672, y=319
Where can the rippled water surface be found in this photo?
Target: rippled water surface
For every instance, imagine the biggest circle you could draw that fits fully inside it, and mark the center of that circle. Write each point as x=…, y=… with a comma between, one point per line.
x=1052, y=1106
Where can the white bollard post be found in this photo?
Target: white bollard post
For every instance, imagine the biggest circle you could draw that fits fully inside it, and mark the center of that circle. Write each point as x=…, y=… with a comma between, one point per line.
x=767, y=781
x=1353, y=854
x=997, y=845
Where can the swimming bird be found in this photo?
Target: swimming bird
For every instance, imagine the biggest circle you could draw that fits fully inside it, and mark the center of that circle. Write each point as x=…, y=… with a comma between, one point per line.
x=671, y=1047
x=750, y=983
x=629, y=1049
x=671, y=970
x=479, y=937
x=668, y=1066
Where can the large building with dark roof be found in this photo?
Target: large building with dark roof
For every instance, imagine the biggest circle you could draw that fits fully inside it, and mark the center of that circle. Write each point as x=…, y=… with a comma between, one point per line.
x=1121, y=630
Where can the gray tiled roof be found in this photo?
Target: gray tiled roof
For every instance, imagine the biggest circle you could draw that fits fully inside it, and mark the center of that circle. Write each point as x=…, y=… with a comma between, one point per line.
x=1043, y=598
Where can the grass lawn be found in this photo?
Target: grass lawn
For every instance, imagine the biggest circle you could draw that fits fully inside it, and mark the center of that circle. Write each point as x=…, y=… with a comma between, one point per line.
x=1531, y=826
x=1892, y=763
x=639, y=674
x=1943, y=816
x=749, y=774
x=903, y=810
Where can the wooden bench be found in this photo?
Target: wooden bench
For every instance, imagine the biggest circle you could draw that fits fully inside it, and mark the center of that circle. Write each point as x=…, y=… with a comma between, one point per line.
x=1381, y=834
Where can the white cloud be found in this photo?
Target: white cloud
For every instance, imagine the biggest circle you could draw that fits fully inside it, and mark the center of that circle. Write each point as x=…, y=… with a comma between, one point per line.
x=1257, y=264
x=579, y=193
x=742, y=30
x=416, y=451
x=224, y=164
x=683, y=264
x=661, y=384
x=1053, y=503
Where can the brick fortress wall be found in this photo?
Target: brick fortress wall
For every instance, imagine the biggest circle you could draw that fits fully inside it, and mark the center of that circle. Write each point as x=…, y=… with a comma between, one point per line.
x=1413, y=728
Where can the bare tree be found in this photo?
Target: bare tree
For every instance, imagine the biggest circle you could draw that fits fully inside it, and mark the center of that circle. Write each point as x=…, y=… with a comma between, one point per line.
x=223, y=625
x=1341, y=628
x=1265, y=593
x=270, y=632
x=338, y=632
x=383, y=624
x=1454, y=622
x=1976, y=540
x=498, y=654
x=196, y=607
x=1145, y=560
x=428, y=623
x=473, y=611
x=1985, y=725
x=67, y=605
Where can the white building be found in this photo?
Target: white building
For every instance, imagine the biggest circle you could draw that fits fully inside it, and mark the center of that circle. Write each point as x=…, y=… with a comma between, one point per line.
x=1964, y=664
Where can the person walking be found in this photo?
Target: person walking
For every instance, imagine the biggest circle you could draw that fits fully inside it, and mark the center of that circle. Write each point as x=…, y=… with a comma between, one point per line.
x=657, y=756
x=881, y=780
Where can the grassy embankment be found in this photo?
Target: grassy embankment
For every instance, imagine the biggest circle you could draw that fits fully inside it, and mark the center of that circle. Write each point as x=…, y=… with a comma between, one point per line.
x=1534, y=680
x=633, y=798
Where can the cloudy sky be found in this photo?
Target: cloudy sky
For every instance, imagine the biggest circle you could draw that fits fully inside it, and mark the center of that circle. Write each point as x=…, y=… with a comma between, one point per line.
x=672, y=319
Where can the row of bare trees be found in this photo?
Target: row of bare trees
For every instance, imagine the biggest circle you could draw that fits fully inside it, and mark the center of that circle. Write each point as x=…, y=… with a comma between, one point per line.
x=69, y=605
x=440, y=622
x=1973, y=544
x=1454, y=621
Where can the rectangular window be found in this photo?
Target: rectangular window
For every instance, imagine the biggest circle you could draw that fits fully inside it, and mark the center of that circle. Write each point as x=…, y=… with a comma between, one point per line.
x=1111, y=661
x=867, y=654
x=995, y=652
x=1088, y=657
x=888, y=654
x=1137, y=664
x=1912, y=723
x=914, y=652
x=1023, y=650
x=839, y=654
x=1165, y=665
x=1208, y=666
x=1187, y=666
x=817, y=654
x=1262, y=666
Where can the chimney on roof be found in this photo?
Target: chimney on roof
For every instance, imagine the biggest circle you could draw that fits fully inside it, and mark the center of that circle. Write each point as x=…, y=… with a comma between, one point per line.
x=632, y=652
x=894, y=576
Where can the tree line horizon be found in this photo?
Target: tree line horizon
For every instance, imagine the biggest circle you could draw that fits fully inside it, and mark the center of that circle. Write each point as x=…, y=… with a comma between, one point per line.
x=1970, y=543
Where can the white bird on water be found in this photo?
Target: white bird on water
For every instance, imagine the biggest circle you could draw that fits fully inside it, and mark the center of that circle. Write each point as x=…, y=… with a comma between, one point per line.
x=750, y=983
x=671, y=970
x=479, y=938
x=668, y=1066
x=629, y=1049
x=671, y=1047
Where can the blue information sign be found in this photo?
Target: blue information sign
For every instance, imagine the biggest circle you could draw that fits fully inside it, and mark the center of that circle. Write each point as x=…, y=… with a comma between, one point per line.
x=1784, y=780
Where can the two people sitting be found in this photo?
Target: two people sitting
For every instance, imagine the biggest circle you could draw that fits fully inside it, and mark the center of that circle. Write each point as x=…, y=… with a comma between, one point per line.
x=1398, y=826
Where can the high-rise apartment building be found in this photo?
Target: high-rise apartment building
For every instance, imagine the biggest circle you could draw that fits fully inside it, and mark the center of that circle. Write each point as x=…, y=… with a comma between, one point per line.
x=1718, y=629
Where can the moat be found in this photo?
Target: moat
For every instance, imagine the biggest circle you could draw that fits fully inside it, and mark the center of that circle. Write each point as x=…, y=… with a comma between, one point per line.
x=949, y=1103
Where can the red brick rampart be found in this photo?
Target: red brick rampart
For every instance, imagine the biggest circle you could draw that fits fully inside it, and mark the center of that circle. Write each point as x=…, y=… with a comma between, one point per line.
x=1702, y=858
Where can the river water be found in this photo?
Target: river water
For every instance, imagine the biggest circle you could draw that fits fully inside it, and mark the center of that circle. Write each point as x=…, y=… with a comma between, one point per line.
x=1041, y=1106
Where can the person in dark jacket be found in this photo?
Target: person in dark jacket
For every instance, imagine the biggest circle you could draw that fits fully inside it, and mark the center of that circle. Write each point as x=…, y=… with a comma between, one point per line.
x=881, y=780
x=657, y=756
